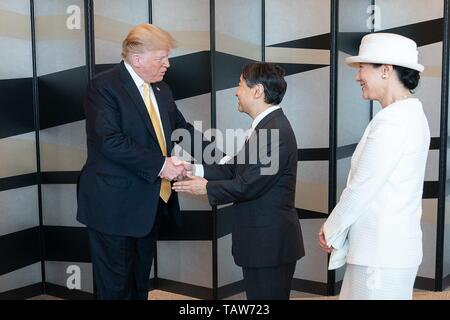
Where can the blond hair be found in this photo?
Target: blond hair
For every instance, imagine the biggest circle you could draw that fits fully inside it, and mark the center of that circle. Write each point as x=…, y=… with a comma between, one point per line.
x=145, y=37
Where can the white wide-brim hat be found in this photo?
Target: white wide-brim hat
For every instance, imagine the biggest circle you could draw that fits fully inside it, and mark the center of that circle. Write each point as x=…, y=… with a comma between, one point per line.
x=387, y=48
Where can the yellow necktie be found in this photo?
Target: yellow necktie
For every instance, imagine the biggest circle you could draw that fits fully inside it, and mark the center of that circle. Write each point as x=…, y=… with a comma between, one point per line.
x=166, y=188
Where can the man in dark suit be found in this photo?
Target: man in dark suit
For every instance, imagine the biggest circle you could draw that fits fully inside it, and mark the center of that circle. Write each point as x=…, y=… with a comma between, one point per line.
x=125, y=184
x=267, y=239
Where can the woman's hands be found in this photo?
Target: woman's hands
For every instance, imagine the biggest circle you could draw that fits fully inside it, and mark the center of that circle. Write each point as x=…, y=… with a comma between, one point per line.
x=323, y=242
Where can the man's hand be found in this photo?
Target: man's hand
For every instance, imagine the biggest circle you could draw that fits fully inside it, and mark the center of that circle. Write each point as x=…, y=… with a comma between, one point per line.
x=174, y=169
x=323, y=242
x=193, y=185
x=188, y=167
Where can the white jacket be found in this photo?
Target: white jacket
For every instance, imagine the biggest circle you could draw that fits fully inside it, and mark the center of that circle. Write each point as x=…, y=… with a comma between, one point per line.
x=377, y=220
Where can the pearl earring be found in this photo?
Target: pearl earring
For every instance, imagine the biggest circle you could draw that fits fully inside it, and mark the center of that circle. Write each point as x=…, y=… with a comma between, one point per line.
x=384, y=76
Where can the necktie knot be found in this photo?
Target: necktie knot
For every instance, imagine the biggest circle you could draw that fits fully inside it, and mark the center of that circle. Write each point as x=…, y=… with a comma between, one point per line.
x=146, y=89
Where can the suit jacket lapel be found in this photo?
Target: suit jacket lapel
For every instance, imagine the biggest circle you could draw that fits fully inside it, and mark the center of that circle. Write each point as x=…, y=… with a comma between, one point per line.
x=136, y=97
x=261, y=124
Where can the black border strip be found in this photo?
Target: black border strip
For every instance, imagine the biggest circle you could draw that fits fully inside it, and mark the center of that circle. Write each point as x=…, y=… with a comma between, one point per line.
x=37, y=121
x=431, y=190
x=16, y=182
x=231, y=289
x=60, y=104
x=71, y=177
x=60, y=177
x=181, y=72
x=316, y=154
x=191, y=228
x=440, y=232
x=16, y=108
x=186, y=289
x=71, y=244
x=234, y=288
x=424, y=33
x=345, y=152
x=332, y=165
x=150, y=11
x=446, y=282
x=62, y=292
x=337, y=289
x=19, y=250
x=309, y=286
x=155, y=258
x=89, y=38
x=321, y=42
x=214, y=222
x=372, y=29
x=23, y=293
x=263, y=31
x=68, y=244
x=435, y=143
x=423, y=283
x=310, y=215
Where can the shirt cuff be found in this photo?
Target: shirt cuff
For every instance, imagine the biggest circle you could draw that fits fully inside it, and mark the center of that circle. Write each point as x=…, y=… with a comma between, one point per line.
x=199, y=171
x=164, y=164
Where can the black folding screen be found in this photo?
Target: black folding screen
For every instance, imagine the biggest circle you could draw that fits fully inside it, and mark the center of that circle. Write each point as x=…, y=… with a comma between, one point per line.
x=50, y=49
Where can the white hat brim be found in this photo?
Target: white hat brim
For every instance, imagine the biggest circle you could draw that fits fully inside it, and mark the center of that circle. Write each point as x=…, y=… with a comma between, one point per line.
x=356, y=60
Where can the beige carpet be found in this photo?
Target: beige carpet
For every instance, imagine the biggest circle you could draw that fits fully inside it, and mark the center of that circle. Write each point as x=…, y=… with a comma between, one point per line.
x=421, y=295
x=163, y=295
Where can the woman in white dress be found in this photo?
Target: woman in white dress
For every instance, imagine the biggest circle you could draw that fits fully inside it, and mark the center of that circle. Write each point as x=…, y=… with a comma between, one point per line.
x=375, y=227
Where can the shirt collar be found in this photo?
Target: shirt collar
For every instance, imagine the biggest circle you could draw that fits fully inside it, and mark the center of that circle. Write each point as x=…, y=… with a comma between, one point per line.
x=263, y=114
x=137, y=80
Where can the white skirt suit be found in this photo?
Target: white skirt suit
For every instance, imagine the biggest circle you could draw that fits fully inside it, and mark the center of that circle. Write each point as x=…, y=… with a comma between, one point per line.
x=375, y=227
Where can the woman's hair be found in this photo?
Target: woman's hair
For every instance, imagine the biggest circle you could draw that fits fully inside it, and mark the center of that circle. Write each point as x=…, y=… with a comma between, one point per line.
x=271, y=76
x=146, y=37
x=408, y=77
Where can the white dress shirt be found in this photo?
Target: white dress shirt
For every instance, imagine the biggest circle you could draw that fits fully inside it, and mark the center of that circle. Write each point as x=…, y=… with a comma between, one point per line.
x=198, y=168
x=140, y=85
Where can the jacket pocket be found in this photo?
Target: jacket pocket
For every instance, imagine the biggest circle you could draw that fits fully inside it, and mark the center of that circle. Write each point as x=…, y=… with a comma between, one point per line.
x=113, y=181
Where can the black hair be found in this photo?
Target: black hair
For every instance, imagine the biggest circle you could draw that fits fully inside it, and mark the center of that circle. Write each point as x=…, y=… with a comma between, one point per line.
x=270, y=76
x=408, y=77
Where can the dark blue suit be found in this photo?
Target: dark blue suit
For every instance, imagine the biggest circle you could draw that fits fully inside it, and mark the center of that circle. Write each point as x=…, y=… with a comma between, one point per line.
x=119, y=185
x=267, y=239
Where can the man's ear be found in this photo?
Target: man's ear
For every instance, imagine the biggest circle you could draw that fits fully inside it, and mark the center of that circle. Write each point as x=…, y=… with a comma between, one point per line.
x=259, y=90
x=135, y=60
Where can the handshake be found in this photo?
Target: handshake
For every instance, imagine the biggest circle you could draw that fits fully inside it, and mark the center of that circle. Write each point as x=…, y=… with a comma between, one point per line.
x=176, y=169
x=182, y=172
